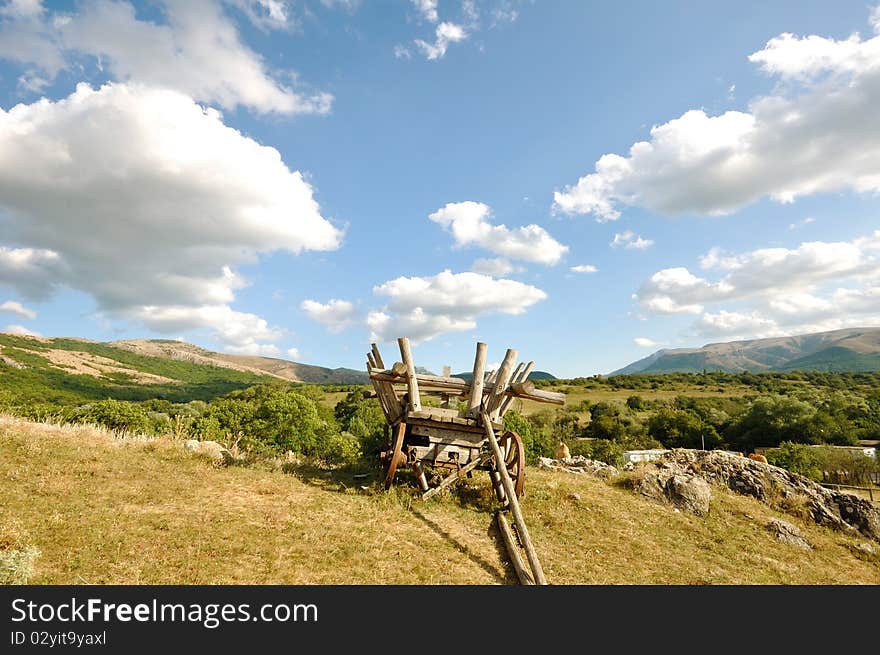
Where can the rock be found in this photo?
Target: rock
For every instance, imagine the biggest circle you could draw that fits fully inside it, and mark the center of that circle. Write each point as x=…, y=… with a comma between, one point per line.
x=210, y=449
x=562, y=451
x=866, y=548
x=690, y=493
x=578, y=464
x=788, y=533
x=832, y=508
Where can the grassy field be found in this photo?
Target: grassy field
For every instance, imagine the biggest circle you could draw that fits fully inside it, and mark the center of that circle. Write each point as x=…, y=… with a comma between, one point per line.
x=104, y=510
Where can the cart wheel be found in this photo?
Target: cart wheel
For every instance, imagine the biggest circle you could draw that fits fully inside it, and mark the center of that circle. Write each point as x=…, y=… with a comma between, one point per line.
x=394, y=457
x=514, y=459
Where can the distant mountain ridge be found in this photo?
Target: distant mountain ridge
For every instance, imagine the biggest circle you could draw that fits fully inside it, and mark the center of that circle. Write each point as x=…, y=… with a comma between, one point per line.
x=849, y=349
x=275, y=367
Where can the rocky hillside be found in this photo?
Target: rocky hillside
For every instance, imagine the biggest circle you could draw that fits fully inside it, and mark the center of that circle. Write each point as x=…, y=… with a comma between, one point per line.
x=275, y=367
x=851, y=349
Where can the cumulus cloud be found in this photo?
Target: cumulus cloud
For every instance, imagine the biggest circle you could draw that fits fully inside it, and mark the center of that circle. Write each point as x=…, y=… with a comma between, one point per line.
x=17, y=308
x=445, y=34
x=427, y=9
x=469, y=224
x=424, y=307
x=146, y=201
x=817, y=285
x=644, y=342
x=21, y=330
x=293, y=352
x=584, y=268
x=336, y=315
x=630, y=240
x=195, y=49
x=822, y=135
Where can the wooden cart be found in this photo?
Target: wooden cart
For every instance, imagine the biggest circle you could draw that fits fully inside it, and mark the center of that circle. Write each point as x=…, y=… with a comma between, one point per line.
x=460, y=435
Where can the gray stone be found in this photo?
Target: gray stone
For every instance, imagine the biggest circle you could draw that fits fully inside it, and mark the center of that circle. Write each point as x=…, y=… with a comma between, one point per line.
x=578, y=464
x=788, y=533
x=690, y=493
x=832, y=508
x=210, y=449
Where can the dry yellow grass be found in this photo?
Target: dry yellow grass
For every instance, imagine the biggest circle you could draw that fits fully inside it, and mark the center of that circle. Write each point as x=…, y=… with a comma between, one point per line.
x=104, y=510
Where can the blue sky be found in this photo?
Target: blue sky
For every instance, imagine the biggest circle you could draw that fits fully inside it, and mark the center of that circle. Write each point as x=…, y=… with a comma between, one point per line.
x=223, y=172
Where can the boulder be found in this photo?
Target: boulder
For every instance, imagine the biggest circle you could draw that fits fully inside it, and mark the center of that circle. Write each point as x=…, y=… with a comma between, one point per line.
x=210, y=449
x=770, y=484
x=690, y=493
x=788, y=533
x=578, y=464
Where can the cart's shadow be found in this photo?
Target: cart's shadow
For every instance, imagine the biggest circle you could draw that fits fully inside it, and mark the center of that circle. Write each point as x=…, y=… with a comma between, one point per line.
x=367, y=480
x=491, y=569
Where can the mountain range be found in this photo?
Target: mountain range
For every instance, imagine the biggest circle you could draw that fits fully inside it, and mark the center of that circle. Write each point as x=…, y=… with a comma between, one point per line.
x=850, y=349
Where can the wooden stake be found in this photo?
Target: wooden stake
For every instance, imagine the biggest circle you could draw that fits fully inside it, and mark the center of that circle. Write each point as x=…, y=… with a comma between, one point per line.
x=476, y=398
x=371, y=360
x=415, y=403
x=375, y=350
x=516, y=377
x=513, y=502
x=502, y=379
x=513, y=550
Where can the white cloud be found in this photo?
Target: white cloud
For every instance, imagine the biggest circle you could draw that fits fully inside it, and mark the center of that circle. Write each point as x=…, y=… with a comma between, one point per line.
x=817, y=285
x=495, y=267
x=196, y=50
x=427, y=9
x=17, y=308
x=424, y=307
x=468, y=222
x=21, y=331
x=875, y=19
x=823, y=135
x=402, y=52
x=336, y=314
x=158, y=223
x=631, y=241
x=644, y=342
x=22, y=8
x=293, y=353
x=266, y=14
x=445, y=34
x=584, y=268
x=734, y=325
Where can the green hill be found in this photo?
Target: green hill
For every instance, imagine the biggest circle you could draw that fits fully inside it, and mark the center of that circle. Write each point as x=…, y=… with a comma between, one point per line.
x=68, y=371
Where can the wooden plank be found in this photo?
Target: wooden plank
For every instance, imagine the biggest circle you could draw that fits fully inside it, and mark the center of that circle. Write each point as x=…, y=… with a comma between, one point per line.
x=527, y=390
x=376, y=356
x=513, y=550
x=455, y=476
x=450, y=436
x=415, y=402
x=496, y=396
x=510, y=490
x=475, y=400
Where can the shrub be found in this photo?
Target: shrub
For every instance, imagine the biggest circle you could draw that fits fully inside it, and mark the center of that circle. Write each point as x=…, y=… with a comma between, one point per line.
x=338, y=448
